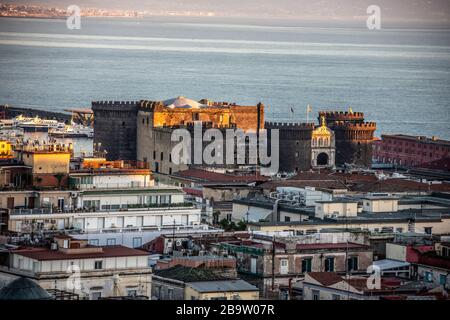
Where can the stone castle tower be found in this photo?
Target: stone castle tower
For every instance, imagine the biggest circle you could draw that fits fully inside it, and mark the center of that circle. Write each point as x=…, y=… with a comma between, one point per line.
x=354, y=136
x=295, y=145
x=115, y=128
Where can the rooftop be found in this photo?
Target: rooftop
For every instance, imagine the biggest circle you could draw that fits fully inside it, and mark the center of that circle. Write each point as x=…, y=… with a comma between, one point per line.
x=387, y=264
x=44, y=254
x=209, y=176
x=417, y=138
x=222, y=286
x=330, y=246
x=187, y=274
x=182, y=102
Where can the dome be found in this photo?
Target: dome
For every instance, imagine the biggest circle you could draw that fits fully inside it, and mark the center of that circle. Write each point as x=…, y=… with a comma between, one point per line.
x=182, y=102
x=322, y=130
x=24, y=289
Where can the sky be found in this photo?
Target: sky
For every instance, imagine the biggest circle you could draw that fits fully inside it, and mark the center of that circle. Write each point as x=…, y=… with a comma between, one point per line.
x=428, y=11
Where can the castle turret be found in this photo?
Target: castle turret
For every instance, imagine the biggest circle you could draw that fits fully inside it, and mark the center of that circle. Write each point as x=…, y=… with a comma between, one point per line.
x=295, y=145
x=354, y=136
x=115, y=128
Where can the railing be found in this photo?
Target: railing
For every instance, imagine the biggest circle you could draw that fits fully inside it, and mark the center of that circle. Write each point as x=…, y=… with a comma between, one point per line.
x=169, y=227
x=23, y=211
x=134, y=207
x=92, y=186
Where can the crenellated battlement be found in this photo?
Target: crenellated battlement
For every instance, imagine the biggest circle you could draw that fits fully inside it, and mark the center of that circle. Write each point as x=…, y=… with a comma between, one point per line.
x=342, y=115
x=150, y=105
x=114, y=105
x=289, y=125
x=355, y=126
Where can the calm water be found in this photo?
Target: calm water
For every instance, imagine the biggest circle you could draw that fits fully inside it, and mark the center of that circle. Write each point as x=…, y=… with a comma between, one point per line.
x=400, y=78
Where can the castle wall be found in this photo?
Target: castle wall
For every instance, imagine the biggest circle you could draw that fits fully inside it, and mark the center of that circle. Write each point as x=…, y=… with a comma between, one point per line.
x=295, y=145
x=243, y=117
x=115, y=128
x=154, y=145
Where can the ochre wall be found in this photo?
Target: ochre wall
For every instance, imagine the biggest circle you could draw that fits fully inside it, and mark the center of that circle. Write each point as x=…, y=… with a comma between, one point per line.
x=244, y=117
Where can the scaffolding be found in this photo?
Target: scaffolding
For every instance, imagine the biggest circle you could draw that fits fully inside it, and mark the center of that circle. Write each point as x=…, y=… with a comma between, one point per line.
x=63, y=295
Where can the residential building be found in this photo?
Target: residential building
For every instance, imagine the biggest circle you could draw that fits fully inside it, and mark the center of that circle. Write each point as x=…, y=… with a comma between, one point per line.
x=272, y=264
x=49, y=163
x=110, y=209
x=410, y=151
x=331, y=286
x=186, y=283
x=92, y=272
x=97, y=173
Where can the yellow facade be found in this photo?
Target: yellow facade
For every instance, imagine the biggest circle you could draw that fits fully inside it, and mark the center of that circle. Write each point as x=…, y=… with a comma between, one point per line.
x=5, y=149
x=47, y=162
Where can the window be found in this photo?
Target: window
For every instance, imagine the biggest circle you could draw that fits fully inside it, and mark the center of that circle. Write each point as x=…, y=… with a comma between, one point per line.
x=170, y=294
x=284, y=266
x=287, y=219
x=427, y=230
x=352, y=264
x=158, y=292
x=306, y=265
x=315, y=294
x=93, y=242
x=442, y=279
x=132, y=292
x=98, y=265
x=111, y=242
x=137, y=242
x=96, y=295
x=445, y=252
x=329, y=264
x=335, y=297
x=428, y=276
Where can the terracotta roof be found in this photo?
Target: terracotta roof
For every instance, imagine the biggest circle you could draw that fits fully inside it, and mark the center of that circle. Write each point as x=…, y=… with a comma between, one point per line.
x=312, y=246
x=209, y=176
x=193, y=192
x=359, y=283
x=399, y=185
x=325, y=278
x=43, y=254
x=354, y=182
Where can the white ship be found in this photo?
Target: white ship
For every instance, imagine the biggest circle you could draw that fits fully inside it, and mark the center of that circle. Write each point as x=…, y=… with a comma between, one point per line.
x=72, y=130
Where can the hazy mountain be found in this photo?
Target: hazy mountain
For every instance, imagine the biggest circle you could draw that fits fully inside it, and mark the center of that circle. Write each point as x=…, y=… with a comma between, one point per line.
x=391, y=10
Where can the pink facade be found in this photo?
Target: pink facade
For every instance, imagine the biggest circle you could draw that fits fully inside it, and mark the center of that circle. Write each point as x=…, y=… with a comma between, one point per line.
x=409, y=151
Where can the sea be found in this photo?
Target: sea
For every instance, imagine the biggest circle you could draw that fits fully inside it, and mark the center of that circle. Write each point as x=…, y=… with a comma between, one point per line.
x=398, y=76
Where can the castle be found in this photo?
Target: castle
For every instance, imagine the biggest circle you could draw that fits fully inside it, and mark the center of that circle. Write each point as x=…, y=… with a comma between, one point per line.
x=141, y=130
